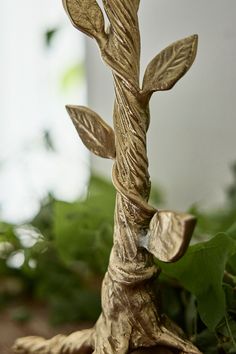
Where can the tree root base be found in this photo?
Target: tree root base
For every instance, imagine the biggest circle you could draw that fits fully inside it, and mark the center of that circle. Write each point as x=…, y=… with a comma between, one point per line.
x=81, y=342
x=156, y=350
x=76, y=343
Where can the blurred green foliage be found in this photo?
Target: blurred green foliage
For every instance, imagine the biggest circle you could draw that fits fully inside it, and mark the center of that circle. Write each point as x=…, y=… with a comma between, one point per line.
x=200, y=289
x=63, y=253
x=65, y=262
x=73, y=75
x=50, y=35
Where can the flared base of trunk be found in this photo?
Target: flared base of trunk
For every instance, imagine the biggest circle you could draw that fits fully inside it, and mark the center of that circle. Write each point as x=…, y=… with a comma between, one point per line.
x=42, y=346
x=103, y=339
x=129, y=322
x=155, y=350
x=78, y=343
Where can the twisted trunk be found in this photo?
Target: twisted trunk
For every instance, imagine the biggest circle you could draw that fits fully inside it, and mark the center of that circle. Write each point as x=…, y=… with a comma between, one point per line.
x=130, y=317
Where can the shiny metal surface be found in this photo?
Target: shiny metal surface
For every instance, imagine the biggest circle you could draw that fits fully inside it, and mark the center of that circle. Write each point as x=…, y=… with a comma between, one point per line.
x=130, y=319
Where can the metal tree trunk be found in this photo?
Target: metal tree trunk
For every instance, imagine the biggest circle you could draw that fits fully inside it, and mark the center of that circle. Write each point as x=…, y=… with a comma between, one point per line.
x=130, y=317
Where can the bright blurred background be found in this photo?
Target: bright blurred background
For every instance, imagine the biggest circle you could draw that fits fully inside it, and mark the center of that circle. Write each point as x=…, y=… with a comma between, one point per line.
x=192, y=131
x=42, y=68
x=56, y=211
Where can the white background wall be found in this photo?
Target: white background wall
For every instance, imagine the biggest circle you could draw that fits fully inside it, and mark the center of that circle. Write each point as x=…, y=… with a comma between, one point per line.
x=192, y=137
x=32, y=100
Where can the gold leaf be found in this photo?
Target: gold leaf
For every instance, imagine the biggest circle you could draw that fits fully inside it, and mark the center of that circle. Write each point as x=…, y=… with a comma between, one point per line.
x=86, y=16
x=96, y=134
x=169, y=235
x=170, y=65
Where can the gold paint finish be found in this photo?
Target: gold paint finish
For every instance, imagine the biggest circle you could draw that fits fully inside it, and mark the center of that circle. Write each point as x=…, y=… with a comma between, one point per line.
x=96, y=134
x=130, y=320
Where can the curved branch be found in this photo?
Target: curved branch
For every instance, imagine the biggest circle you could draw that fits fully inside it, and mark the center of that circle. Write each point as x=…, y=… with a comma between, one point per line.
x=122, y=50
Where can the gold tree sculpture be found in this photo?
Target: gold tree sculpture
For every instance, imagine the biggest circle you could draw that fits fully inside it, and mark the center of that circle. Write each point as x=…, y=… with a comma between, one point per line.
x=130, y=318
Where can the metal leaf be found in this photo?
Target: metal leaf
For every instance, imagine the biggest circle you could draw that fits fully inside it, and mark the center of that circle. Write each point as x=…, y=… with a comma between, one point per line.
x=170, y=65
x=86, y=16
x=169, y=235
x=96, y=134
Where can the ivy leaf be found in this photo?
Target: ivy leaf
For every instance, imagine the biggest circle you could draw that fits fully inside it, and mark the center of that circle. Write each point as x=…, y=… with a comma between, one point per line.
x=96, y=134
x=231, y=232
x=86, y=16
x=230, y=297
x=201, y=272
x=170, y=65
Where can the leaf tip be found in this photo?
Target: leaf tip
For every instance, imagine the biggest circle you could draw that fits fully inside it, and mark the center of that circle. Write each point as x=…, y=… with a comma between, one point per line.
x=71, y=107
x=165, y=70
x=194, y=45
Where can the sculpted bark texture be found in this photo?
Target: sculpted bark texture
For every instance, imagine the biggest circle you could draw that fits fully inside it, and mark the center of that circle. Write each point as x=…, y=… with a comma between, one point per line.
x=130, y=318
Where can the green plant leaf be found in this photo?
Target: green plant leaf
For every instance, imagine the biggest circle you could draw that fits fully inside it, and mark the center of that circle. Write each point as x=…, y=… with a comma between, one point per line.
x=231, y=232
x=232, y=260
x=201, y=272
x=83, y=230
